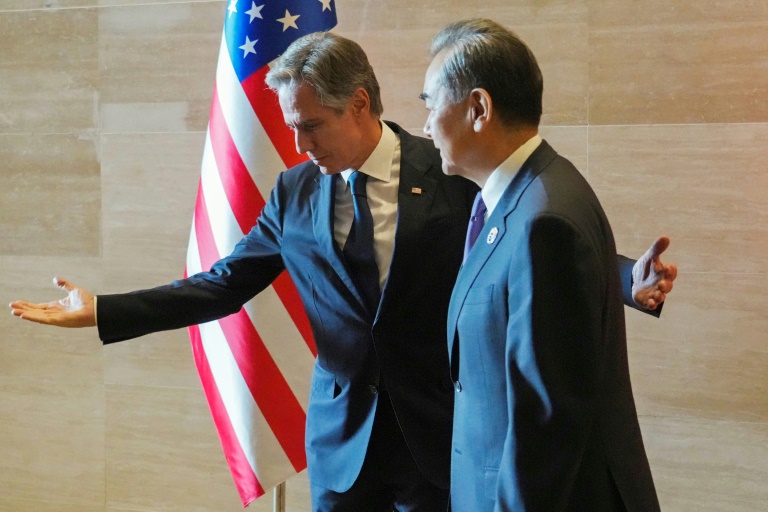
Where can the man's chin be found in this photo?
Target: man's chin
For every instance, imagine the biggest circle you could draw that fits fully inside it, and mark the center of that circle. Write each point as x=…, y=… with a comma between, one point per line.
x=329, y=171
x=451, y=170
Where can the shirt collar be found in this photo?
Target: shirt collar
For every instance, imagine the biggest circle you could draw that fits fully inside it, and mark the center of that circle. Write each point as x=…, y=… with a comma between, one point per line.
x=502, y=176
x=379, y=164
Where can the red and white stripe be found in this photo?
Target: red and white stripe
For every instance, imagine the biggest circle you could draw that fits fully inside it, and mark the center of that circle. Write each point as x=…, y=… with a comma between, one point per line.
x=255, y=366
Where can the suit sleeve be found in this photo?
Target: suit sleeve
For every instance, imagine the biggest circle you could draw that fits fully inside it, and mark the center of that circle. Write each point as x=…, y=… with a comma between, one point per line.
x=554, y=360
x=625, y=271
x=252, y=266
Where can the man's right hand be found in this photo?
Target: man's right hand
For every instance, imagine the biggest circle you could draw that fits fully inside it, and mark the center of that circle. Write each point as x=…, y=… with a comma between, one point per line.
x=76, y=310
x=652, y=280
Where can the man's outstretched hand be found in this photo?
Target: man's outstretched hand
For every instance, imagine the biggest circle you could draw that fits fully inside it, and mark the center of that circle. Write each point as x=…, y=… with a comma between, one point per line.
x=652, y=280
x=75, y=310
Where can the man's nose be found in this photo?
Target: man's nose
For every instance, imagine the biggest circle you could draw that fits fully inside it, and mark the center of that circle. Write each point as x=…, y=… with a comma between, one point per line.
x=303, y=142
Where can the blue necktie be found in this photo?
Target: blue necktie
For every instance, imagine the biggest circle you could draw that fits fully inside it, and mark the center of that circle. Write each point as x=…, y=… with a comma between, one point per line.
x=476, y=223
x=358, y=250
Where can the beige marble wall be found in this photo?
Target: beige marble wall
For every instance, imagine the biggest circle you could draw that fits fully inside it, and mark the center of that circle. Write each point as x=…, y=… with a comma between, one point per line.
x=103, y=106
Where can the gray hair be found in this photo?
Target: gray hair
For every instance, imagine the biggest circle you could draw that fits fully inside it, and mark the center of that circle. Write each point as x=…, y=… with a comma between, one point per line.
x=335, y=67
x=483, y=54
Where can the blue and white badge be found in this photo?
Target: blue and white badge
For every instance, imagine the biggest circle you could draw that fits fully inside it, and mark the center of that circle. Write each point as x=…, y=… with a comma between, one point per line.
x=492, y=235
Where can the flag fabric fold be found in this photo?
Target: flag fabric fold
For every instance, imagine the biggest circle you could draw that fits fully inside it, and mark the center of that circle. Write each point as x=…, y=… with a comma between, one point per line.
x=255, y=366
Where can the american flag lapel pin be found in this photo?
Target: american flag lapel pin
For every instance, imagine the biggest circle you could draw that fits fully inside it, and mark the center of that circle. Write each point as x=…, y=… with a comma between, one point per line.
x=416, y=191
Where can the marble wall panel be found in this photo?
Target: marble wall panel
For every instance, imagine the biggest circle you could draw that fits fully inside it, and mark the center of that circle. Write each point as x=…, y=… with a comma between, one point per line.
x=560, y=52
x=52, y=438
x=369, y=15
x=572, y=142
x=162, y=452
x=149, y=186
x=708, y=466
x=159, y=359
x=13, y=505
x=706, y=356
x=119, y=3
x=49, y=71
x=50, y=200
x=704, y=183
x=618, y=13
x=158, y=54
x=32, y=276
x=69, y=357
x=31, y=5
x=678, y=62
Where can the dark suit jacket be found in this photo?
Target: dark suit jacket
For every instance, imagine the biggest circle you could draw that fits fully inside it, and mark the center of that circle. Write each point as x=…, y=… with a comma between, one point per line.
x=401, y=344
x=544, y=417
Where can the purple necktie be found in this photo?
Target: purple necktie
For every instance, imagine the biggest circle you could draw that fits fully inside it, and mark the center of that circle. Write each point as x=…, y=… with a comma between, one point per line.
x=476, y=223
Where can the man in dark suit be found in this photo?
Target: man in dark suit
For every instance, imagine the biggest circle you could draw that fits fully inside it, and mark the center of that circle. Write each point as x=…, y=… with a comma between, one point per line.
x=544, y=417
x=379, y=417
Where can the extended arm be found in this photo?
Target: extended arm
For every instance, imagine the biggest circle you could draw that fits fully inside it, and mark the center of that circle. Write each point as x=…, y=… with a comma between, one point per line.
x=254, y=263
x=198, y=299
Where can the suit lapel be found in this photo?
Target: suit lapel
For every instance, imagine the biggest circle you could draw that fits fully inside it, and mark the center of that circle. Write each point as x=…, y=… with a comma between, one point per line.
x=322, y=204
x=485, y=247
x=416, y=193
x=468, y=273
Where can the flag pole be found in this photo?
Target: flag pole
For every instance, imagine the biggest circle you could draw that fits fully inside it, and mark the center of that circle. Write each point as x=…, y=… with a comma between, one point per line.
x=279, y=498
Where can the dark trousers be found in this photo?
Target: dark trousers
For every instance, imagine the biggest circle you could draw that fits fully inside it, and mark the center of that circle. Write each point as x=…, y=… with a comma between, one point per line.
x=389, y=479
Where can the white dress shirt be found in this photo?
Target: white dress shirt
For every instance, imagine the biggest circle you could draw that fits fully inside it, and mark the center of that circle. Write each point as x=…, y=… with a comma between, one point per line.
x=502, y=176
x=383, y=170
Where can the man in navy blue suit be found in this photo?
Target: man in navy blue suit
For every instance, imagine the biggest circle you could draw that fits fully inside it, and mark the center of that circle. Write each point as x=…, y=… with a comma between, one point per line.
x=379, y=416
x=544, y=417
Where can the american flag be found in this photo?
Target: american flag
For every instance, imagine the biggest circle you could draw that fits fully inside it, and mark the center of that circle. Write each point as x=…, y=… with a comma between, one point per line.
x=255, y=366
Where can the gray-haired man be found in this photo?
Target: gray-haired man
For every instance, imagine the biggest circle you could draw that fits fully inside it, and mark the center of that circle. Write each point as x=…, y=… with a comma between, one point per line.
x=545, y=419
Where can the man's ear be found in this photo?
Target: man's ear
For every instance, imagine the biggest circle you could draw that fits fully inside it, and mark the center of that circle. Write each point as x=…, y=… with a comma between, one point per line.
x=480, y=109
x=360, y=101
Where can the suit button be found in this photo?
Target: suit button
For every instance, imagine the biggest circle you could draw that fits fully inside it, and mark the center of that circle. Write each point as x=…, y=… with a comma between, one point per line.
x=372, y=389
x=457, y=386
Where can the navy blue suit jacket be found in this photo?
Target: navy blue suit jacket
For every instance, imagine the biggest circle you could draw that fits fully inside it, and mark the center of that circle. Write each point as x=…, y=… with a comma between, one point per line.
x=403, y=343
x=544, y=417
